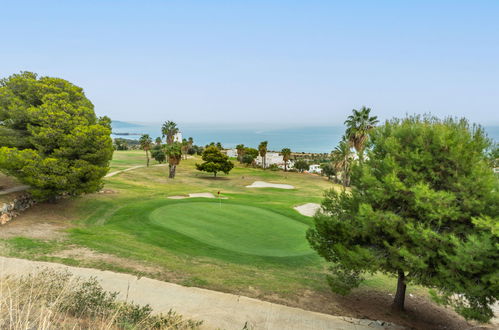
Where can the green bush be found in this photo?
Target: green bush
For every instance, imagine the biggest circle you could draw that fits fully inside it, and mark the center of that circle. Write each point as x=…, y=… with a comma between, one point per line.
x=274, y=167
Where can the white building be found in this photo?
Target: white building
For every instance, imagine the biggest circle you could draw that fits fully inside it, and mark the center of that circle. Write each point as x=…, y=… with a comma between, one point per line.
x=273, y=158
x=178, y=137
x=315, y=168
x=232, y=153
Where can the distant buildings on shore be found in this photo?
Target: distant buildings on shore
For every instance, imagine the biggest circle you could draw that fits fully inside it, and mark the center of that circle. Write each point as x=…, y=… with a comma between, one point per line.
x=275, y=158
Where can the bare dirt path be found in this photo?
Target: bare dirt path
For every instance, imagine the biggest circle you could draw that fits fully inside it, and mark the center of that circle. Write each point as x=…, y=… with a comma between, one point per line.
x=121, y=171
x=129, y=169
x=218, y=310
x=13, y=190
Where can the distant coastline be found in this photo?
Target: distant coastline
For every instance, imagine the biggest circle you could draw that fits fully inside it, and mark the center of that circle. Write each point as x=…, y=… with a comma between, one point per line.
x=315, y=139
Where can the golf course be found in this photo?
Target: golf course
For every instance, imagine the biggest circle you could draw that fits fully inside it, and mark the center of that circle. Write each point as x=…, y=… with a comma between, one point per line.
x=247, y=241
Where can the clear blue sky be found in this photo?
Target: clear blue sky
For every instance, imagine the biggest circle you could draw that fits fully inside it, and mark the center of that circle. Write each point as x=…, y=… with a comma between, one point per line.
x=283, y=62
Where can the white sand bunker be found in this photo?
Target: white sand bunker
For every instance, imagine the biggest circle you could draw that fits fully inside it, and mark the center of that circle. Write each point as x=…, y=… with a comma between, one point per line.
x=308, y=209
x=203, y=195
x=263, y=184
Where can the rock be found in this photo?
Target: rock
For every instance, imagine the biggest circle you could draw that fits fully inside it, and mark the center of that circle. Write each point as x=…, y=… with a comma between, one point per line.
x=12, y=209
x=4, y=218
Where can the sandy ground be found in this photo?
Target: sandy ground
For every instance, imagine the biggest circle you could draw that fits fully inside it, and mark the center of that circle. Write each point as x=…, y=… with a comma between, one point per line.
x=308, y=209
x=218, y=310
x=263, y=184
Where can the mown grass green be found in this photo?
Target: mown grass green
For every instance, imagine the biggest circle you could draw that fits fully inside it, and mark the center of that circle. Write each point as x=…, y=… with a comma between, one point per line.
x=235, y=227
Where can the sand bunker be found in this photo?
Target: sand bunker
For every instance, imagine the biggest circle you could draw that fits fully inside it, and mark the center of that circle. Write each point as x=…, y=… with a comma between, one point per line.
x=263, y=184
x=194, y=195
x=308, y=209
x=204, y=195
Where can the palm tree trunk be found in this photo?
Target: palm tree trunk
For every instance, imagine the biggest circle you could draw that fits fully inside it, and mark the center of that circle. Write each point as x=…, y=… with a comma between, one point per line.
x=172, y=169
x=147, y=156
x=399, y=301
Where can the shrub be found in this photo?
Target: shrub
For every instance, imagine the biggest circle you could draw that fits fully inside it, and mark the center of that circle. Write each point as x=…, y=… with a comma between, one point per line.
x=274, y=167
x=58, y=300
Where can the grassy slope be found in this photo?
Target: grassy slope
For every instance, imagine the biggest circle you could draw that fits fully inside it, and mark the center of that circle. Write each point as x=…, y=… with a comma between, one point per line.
x=119, y=224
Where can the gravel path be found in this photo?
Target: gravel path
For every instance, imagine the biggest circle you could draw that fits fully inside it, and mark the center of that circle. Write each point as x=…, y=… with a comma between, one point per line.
x=218, y=310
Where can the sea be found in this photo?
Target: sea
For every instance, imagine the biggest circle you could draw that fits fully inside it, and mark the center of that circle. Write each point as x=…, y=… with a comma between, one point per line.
x=316, y=139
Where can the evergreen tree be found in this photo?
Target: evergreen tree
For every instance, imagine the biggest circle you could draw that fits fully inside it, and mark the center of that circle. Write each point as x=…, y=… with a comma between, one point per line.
x=215, y=161
x=50, y=136
x=424, y=207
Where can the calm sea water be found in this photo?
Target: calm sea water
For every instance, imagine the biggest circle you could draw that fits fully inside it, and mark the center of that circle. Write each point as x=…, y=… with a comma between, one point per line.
x=306, y=139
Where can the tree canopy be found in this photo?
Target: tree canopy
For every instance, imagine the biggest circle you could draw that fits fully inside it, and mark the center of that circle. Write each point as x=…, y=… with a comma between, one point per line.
x=240, y=152
x=174, y=153
x=169, y=130
x=424, y=207
x=359, y=124
x=215, y=161
x=342, y=159
x=50, y=136
x=146, y=143
x=158, y=153
x=262, y=149
x=301, y=165
x=286, y=155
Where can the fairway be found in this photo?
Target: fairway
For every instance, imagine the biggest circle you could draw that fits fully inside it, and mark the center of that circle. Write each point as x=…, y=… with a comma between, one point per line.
x=234, y=227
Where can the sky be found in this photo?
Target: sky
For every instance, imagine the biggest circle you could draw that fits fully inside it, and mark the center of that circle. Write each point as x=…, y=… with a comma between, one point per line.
x=274, y=62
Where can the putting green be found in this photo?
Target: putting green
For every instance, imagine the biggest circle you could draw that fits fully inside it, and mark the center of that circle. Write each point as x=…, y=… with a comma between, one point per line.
x=239, y=228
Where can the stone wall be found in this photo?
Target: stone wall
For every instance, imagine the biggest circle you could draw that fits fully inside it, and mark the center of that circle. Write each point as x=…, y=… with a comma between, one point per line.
x=10, y=210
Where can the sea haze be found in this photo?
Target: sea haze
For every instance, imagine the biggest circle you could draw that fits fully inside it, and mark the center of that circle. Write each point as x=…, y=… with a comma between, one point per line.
x=319, y=139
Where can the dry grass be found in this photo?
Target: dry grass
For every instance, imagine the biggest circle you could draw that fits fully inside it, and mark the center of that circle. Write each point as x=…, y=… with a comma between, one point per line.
x=58, y=300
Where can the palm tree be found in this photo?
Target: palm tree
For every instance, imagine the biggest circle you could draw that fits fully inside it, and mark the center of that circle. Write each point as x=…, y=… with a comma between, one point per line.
x=158, y=141
x=145, y=143
x=341, y=158
x=359, y=124
x=286, y=154
x=240, y=152
x=169, y=129
x=174, y=153
x=190, y=140
x=185, y=148
x=262, y=149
